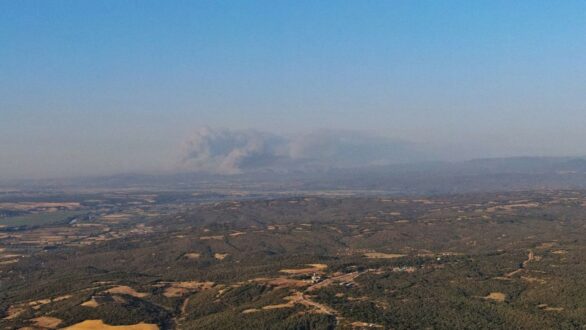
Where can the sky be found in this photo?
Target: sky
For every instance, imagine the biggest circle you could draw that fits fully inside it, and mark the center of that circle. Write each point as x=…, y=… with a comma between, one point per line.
x=117, y=86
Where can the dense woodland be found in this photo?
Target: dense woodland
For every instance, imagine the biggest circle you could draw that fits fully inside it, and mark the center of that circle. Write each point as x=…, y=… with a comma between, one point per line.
x=506, y=260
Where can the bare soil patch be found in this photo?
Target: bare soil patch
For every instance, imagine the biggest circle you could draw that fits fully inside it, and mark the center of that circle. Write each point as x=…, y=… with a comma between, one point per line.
x=192, y=255
x=314, y=268
x=220, y=256
x=379, y=255
x=100, y=325
x=27, y=206
x=530, y=279
x=545, y=307
x=8, y=262
x=301, y=299
x=217, y=237
x=252, y=310
x=512, y=207
x=123, y=289
x=343, y=278
x=92, y=303
x=496, y=296
x=115, y=218
x=178, y=289
x=47, y=322
x=360, y=325
x=14, y=312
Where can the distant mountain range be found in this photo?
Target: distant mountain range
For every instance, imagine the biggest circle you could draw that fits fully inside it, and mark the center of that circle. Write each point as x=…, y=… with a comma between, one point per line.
x=479, y=175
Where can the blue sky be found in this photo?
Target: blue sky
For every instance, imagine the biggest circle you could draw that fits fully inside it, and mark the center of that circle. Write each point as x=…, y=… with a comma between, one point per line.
x=111, y=86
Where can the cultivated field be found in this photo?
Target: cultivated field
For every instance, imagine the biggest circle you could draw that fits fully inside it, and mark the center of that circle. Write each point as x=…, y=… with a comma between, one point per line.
x=126, y=261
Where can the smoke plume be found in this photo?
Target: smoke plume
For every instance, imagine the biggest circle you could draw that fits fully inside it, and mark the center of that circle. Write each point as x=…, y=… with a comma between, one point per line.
x=224, y=151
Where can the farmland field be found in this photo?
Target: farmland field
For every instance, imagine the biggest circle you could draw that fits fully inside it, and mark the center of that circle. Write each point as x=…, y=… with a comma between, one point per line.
x=510, y=260
x=45, y=218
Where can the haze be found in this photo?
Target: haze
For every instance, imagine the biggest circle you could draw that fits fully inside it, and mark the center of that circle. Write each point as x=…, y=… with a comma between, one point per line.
x=103, y=87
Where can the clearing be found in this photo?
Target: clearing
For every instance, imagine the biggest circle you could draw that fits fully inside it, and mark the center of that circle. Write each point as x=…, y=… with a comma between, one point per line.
x=123, y=289
x=496, y=296
x=100, y=325
x=314, y=268
x=46, y=322
x=379, y=255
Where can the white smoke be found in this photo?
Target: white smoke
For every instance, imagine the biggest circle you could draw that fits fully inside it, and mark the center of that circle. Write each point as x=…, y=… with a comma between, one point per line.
x=225, y=151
